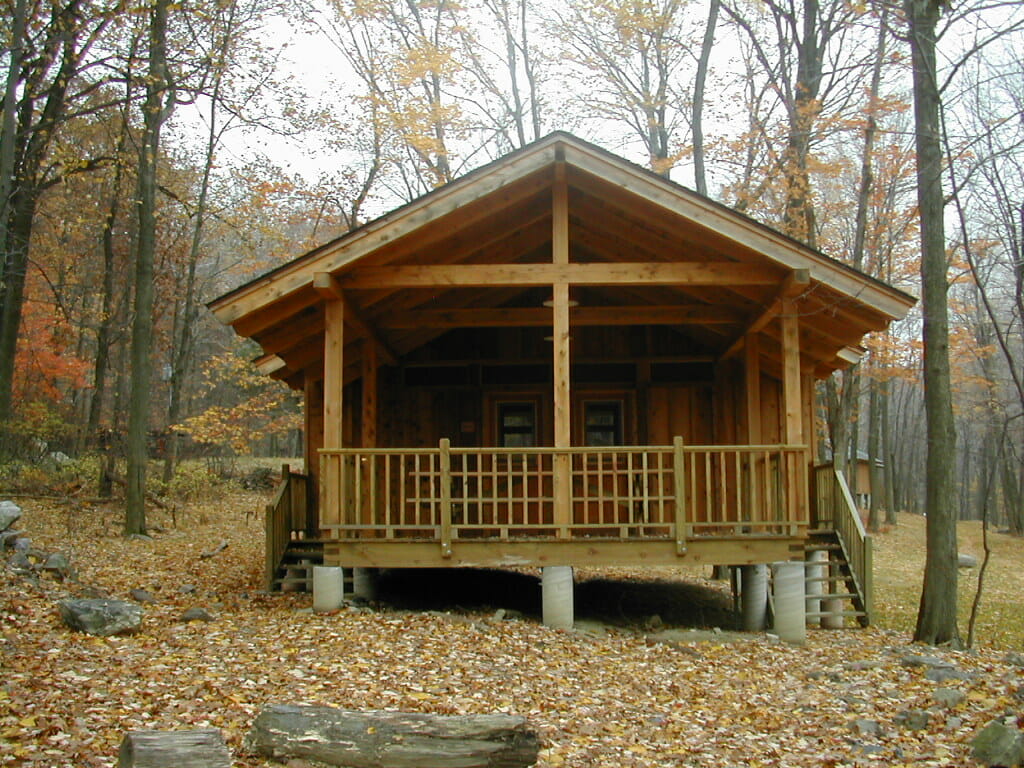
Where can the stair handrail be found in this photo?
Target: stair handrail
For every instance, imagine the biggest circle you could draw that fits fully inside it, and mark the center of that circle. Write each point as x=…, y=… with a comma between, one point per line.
x=277, y=523
x=856, y=542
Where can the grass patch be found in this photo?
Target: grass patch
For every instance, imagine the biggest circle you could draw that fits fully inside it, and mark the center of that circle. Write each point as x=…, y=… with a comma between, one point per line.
x=899, y=569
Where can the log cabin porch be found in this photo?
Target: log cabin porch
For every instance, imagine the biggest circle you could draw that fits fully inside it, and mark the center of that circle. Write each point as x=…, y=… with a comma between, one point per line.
x=558, y=359
x=621, y=505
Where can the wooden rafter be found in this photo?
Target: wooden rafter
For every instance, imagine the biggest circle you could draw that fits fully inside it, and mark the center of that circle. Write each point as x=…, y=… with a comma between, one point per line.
x=500, y=317
x=330, y=289
x=527, y=275
x=795, y=282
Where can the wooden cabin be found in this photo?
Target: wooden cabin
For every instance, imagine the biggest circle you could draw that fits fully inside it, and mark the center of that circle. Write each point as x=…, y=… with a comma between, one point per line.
x=558, y=359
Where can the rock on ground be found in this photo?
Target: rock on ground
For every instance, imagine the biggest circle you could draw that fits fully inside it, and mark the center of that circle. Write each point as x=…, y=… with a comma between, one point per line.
x=98, y=616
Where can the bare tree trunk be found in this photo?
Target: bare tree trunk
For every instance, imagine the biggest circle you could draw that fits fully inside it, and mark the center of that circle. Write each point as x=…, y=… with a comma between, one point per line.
x=874, y=472
x=937, y=617
x=697, y=116
x=155, y=113
x=8, y=121
x=1013, y=488
x=889, y=455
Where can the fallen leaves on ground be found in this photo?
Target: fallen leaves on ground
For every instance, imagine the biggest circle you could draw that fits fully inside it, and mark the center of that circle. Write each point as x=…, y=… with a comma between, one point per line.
x=618, y=699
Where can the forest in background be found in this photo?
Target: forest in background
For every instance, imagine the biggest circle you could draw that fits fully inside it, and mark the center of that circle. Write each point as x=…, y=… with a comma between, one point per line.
x=140, y=180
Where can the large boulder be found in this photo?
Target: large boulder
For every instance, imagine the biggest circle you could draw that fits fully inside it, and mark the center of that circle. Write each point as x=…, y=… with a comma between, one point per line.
x=9, y=514
x=965, y=560
x=98, y=616
x=999, y=744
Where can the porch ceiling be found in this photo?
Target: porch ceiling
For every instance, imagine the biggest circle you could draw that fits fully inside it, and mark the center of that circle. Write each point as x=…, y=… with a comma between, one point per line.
x=477, y=253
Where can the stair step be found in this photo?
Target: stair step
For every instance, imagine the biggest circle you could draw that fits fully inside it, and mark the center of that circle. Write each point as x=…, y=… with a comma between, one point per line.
x=826, y=579
x=293, y=558
x=823, y=547
x=823, y=614
x=293, y=580
x=833, y=596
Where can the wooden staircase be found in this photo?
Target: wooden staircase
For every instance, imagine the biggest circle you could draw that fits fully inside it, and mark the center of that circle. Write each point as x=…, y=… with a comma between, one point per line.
x=845, y=577
x=832, y=584
x=294, y=571
x=292, y=549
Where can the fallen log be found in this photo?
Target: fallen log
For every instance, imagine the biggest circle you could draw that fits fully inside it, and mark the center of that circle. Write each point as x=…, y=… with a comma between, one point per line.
x=215, y=551
x=376, y=739
x=201, y=748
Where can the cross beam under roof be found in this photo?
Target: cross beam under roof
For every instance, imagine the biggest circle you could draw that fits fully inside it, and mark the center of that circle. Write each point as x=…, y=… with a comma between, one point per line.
x=528, y=275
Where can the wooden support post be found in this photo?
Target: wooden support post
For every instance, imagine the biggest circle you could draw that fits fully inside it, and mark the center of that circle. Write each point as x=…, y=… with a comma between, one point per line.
x=445, y=479
x=752, y=381
x=370, y=365
x=756, y=504
x=562, y=469
x=792, y=407
x=334, y=385
x=679, y=472
x=367, y=504
x=314, y=413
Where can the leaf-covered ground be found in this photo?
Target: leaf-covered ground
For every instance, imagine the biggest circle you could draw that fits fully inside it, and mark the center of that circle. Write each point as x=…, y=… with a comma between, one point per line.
x=613, y=698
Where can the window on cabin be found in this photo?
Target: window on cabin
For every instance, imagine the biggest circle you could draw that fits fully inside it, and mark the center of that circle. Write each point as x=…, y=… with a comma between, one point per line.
x=517, y=425
x=602, y=422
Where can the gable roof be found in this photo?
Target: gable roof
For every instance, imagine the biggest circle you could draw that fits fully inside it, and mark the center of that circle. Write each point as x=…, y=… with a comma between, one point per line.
x=644, y=250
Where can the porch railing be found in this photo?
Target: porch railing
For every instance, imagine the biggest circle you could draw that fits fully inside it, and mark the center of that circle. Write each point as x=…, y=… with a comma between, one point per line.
x=635, y=492
x=286, y=517
x=835, y=508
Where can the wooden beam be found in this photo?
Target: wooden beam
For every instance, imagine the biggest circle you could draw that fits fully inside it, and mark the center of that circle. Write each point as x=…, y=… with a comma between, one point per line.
x=752, y=387
x=500, y=317
x=334, y=389
x=334, y=372
x=795, y=283
x=370, y=363
x=295, y=332
x=354, y=316
x=268, y=365
x=793, y=421
x=562, y=469
x=329, y=287
x=531, y=275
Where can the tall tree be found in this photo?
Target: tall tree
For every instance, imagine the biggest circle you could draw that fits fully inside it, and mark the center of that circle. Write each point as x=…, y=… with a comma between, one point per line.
x=697, y=110
x=937, y=614
x=630, y=53
x=157, y=107
x=43, y=82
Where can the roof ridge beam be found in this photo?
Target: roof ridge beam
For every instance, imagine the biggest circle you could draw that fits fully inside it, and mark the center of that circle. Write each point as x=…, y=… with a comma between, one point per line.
x=528, y=275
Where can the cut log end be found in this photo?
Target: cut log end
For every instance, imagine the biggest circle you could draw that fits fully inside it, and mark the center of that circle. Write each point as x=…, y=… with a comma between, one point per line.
x=204, y=748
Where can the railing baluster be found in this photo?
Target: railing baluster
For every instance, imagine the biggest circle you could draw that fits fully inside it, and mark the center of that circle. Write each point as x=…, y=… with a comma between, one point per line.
x=445, y=479
x=679, y=480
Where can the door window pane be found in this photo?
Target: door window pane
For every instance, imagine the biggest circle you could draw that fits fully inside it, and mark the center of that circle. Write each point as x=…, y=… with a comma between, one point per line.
x=602, y=423
x=517, y=425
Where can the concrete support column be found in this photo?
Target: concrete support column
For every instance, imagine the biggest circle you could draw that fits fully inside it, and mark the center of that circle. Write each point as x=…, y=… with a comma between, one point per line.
x=557, y=596
x=834, y=605
x=790, y=602
x=328, y=588
x=816, y=570
x=364, y=583
x=754, y=597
